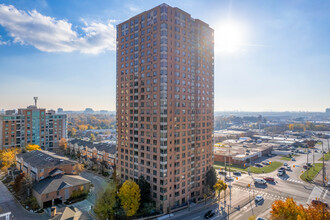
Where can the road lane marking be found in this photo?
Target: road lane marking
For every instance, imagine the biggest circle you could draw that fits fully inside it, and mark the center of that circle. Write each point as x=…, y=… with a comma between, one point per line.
x=326, y=192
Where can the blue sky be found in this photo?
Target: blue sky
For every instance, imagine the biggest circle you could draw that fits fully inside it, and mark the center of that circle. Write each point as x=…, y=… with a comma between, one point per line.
x=64, y=52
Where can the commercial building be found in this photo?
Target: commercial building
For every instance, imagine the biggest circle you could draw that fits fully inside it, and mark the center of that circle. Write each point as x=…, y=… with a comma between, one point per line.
x=241, y=153
x=32, y=125
x=165, y=91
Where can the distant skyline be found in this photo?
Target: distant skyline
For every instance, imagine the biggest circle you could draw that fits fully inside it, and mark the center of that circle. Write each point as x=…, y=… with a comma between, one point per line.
x=269, y=56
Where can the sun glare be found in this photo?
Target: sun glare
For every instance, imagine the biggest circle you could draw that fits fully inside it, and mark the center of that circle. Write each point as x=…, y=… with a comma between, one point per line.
x=229, y=37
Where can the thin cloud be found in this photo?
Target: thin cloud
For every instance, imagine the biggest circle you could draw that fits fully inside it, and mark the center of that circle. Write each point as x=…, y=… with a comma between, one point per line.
x=3, y=42
x=51, y=35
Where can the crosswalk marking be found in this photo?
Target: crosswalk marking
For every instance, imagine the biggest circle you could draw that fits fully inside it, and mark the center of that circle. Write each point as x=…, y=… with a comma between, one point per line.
x=265, y=194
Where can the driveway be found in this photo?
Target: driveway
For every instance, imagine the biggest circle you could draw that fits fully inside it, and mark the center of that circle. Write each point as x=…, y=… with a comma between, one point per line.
x=99, y=183
x=9, y=204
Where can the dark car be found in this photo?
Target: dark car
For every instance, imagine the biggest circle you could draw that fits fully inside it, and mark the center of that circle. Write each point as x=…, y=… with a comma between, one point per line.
x=319, y=202
x=258, y=165
x=269, y=179
x=222, y=172
x=209, y=214
x=237, y=173
x=305, y=166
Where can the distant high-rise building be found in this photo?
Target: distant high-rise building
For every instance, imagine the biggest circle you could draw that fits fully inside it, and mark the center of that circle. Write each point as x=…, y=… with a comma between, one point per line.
x=165, y=106
x=60, y=110
x=32, y=125
x=327, y=111
x=89, y=111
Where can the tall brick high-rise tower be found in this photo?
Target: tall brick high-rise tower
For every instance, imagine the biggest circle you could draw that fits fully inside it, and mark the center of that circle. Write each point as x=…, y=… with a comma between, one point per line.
x=165, y=103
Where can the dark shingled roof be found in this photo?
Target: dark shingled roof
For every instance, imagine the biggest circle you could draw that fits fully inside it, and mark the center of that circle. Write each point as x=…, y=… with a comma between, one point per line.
x=42, y=159
x=60, y=181
x=107, y=147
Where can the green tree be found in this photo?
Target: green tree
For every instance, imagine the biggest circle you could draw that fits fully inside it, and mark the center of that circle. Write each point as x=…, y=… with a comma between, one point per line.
x=145, y=190
x=211, y=178
x=129, y=195
x=105, y=206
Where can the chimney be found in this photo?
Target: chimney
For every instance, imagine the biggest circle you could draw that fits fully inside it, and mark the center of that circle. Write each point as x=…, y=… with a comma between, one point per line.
x=53, y=212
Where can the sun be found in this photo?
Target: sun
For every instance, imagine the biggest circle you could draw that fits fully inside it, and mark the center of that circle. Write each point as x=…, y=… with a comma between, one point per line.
x=229, y=37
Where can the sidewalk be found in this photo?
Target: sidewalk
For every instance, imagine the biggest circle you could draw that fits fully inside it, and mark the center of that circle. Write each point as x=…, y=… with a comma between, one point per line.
x=198, y=207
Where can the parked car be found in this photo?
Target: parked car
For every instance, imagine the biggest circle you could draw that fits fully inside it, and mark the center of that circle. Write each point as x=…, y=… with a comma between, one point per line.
x=229, y=178
x=259, y=198
x=237, y=173
x=288, y=168
x=309, y=164
x=285, y=164
x=282, y=169
x=258, y=165
x=260, y=181
x=259, y=218
x=222, y=172
x=293, y=159
x=280, y=173
x=305, y=167
x=319, y=202
x=269, y=179
x=209, y=214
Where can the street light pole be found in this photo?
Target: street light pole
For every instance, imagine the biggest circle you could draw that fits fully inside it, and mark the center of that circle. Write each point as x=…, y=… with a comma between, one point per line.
x=323, y=164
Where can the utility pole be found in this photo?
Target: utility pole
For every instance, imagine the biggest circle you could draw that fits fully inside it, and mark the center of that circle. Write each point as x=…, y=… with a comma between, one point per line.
x=307, y=162
x=323, y=165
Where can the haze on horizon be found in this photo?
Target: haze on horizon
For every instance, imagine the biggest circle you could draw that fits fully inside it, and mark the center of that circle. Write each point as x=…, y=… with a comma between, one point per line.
x=269, y=56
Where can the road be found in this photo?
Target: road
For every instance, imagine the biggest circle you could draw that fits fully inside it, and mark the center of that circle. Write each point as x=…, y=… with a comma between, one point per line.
x=9, y=204
x=289, y=185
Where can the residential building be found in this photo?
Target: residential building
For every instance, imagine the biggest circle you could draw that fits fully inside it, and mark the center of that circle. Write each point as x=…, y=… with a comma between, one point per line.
x=55, y=177
x=32, y=125
x=58, y=188
x=165, y=103
x=90, y=152
x=40, y=164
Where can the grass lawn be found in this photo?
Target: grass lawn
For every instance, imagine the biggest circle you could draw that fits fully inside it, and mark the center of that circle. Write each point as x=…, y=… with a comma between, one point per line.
x=266, y=169
x=312, y=172
x=326, y=157
x=286, y=158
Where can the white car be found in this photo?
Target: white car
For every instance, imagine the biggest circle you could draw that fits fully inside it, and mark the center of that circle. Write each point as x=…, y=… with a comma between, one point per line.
x=260, y=181
x=285, y=164
x=259, y=198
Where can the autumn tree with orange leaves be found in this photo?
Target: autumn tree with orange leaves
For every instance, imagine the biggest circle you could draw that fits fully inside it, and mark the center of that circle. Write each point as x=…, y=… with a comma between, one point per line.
x=8, y=157
x=289, y=210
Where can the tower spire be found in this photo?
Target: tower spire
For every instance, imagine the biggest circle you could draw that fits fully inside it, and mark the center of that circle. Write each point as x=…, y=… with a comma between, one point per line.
x=35, y=101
